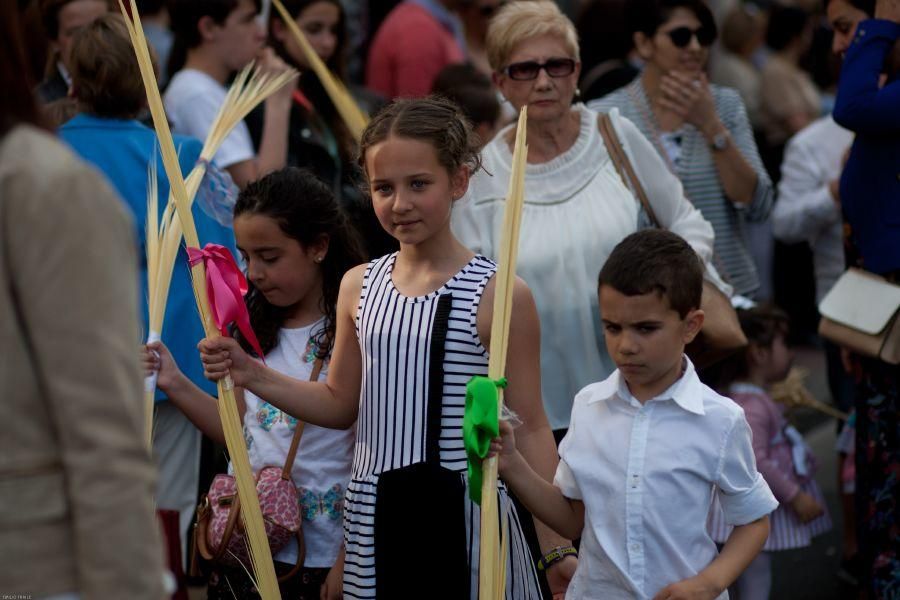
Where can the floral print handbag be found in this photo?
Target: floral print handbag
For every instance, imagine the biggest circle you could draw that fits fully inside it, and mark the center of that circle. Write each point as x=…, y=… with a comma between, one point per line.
x=219, y=531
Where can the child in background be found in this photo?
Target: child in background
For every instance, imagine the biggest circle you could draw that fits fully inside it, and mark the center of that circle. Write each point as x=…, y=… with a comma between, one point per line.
x=297, y=245
x=473, y=91
x=412, y=328
x=214, y=39
x=109, y=95
x=648, y=445
x=782, y=457
x=318, y=139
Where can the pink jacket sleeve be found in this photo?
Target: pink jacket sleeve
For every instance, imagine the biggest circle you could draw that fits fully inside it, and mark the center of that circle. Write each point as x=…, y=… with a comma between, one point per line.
x=765, y=424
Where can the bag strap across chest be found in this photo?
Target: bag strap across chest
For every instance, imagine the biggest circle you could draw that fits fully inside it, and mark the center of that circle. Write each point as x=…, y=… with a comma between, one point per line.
x=436, y=379
x=298, y=431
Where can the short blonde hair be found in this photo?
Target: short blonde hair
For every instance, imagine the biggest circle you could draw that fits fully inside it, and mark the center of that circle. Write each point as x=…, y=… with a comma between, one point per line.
x=523, y=19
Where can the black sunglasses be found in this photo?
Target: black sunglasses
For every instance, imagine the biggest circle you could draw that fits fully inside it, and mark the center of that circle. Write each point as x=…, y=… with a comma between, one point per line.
x=681, y=36
x=529, y=69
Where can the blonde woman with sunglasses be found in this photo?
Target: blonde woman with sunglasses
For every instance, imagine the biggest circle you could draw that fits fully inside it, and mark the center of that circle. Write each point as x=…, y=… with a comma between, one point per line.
x=700, y=131
x=577, y=207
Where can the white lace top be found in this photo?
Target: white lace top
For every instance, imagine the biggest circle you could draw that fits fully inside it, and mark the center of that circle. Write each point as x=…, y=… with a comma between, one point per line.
x=576, y=210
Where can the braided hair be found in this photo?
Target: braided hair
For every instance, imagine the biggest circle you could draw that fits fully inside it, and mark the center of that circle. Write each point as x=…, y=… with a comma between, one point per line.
x=435, y=120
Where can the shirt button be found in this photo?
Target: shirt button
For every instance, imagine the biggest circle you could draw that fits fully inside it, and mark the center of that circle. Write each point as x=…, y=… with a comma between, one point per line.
x=635, y=547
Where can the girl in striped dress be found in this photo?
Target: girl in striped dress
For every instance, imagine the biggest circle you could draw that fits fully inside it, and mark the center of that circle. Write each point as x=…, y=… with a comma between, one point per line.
x=412, y=328
x=782, y=457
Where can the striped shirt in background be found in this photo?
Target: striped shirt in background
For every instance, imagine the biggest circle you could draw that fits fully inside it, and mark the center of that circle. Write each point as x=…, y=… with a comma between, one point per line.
x=696, y=169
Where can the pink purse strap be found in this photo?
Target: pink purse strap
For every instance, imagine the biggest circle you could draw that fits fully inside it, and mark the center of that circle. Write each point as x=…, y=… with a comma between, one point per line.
x=298, y=431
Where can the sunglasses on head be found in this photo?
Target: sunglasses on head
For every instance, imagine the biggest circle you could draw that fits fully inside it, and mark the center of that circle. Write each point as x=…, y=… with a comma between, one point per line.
x=681, y=36
x=529, y=69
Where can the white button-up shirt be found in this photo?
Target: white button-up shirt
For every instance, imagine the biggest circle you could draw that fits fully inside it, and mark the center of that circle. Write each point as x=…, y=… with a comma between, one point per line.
x=647, y=474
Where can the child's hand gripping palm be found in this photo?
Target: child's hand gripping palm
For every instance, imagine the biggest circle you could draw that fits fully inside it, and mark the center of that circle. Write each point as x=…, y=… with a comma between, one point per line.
x=222, y=356
x=156, y=358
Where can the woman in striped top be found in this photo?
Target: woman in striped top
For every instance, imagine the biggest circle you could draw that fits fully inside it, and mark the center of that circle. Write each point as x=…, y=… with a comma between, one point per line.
x=411, y=332
x=700, y=130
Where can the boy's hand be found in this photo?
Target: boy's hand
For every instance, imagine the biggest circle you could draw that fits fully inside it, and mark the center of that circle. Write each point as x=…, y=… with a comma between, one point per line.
x=504, y=447
x=560, y=575
x=156, y=358
x=223, y=355
x=806, y=507
x=271, y=64
x=695, y=588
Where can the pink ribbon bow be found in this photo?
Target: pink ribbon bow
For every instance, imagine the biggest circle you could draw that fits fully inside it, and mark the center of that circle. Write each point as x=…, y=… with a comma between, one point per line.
x=226, y=287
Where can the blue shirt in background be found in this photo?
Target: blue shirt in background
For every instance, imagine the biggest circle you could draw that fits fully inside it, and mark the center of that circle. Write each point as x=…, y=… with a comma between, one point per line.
x=870, y=183
x=122, y=150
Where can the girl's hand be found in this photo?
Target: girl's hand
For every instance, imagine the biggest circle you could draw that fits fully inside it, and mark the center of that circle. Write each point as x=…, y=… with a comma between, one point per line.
x=694, y=588
x=689, y=97
x=223, y=355
x=156, y=358
x=806, y=507
x=333, y=588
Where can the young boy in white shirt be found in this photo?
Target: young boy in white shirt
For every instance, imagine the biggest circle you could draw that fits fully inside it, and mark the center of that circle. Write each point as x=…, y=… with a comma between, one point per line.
x=212, y=40
x=649, y=446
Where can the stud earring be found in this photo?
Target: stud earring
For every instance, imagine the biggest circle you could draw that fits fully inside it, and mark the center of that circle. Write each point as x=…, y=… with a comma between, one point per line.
x=319, y=259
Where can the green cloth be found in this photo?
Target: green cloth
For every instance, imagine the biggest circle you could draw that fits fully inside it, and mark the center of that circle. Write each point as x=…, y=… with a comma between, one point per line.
x=481, y=424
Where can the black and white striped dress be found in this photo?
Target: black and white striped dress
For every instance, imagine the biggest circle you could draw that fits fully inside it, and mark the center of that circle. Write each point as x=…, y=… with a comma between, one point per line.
x=394, y=335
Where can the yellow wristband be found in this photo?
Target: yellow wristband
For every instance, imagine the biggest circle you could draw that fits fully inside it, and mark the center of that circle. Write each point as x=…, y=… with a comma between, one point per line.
x=554, y=556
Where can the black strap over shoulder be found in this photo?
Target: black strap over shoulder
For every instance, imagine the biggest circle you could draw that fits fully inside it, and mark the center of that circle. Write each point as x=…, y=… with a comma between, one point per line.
x=420, y=523
x=436, y=379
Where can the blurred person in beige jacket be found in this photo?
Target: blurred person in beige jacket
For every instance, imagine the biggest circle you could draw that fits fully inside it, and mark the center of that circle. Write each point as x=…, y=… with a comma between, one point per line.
x=76, y=507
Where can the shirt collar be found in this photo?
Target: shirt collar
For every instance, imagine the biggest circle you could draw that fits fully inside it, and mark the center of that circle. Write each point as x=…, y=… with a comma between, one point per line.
x=743, y=387
x=687, y=392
